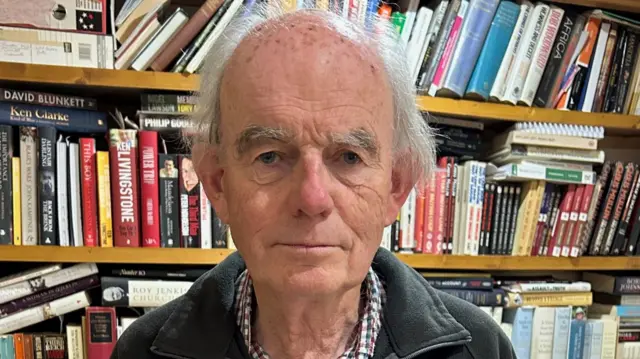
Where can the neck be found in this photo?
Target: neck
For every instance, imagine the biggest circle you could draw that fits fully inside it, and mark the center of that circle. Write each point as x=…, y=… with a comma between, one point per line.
x=287, y=326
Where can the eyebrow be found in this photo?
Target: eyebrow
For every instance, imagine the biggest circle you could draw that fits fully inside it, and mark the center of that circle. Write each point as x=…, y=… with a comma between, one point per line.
x=256, y=135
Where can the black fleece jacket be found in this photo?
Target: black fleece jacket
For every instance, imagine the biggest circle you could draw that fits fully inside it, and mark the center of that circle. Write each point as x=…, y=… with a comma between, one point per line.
x=419, y=322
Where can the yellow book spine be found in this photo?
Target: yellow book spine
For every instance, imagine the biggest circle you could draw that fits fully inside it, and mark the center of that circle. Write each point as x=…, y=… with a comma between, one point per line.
x=533, y=218
x=104, y=199
x=548, y=299
x=17, y=204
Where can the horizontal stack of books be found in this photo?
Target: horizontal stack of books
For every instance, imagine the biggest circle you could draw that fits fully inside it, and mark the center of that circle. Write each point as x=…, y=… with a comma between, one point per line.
x=73, y=182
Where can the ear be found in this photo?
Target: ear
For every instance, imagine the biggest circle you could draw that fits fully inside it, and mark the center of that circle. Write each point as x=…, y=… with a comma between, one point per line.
x=210, y=172
x=401, y=184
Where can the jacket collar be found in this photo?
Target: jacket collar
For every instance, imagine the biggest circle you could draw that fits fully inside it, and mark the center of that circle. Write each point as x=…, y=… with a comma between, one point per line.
x=203, y=324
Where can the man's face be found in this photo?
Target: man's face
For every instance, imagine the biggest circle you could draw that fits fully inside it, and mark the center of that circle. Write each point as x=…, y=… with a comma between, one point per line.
x=305, y=171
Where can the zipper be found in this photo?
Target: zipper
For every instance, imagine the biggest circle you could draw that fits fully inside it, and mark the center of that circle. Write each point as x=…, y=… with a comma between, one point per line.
x=437, y=346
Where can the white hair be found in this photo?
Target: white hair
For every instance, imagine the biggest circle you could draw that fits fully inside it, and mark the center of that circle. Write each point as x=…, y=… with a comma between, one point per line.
x=413, y=142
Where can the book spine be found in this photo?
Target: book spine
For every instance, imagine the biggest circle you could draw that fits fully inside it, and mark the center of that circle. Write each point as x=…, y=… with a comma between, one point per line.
x=497, y=207
x=595, y=68
x=605, y=214
x=561, y=333
x=499, y=88
x=62, y=198
x=448, y=196
x=452, y=209
x=189, y=204
x=54, y=346
x=169, y=203
x=541, y=55
x=626, y=71
x=123, y=150
x=140, y=292
x=28, y=184
x=105, y=221
x=63, y=119
x=492, y=298
x=542, y=219
x=445, y=61
x=47, y=172
x=17, y=203
x=596, y=206
x=149, y=189
x=461, y=283
x=550, y=222
x=76, y=189
x=220, y=236
x=206, y=235
x=621, y=199
x=101, y=332
x=419, y=217
x=505, y=221
x=441, y=176
x=621, y=239
x=598, y=102
x=168, y=103
x=616, y=69
x=561, y=51
x=484, y=225
x=6, y=192
x=47, y=99
x=573, y=219
x=555, y=245
x=430, y=217
x=575, y=244
x=89, y=189
x=548, y=299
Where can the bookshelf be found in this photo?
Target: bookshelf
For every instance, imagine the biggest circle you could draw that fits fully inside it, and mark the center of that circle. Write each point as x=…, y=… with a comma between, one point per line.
x=196, y=256
x=624, y=5
x=164, y=81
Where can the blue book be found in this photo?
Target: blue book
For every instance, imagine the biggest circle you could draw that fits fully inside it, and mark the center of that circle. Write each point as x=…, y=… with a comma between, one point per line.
x=7, y=349
x=576, y=338
x=597, y=333
x=586, y=344
x=63, y=119
x=561, y=333
x=495, y=46
x=522, y=320
x=472, y=35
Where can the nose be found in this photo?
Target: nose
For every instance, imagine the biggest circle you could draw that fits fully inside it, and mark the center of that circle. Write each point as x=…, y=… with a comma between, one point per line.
x=312, y=196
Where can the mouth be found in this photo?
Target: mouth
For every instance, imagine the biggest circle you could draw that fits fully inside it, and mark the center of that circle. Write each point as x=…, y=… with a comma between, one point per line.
x=308, y=248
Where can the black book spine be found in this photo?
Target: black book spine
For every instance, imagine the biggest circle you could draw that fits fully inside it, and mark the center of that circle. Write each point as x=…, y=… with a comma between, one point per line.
x=169, y=209
x=616, y=69
x=6, y=202
x=189, y=204
x=626, y=285
x=497, y=208
x=395, y=234
x=554, y=202
x=579, y=82
x=452, y=204
x=515, y=204
x=182, y=274
x=558, y=52
x=47, y=174
x=461, y=283
x=604, y=216
x=601, y=187
x=621, y=199
x=621, y=237
x=219, y=232
x=484, y=236
x=491, y=298
x=506, y=229
x=48, y=99
x=627, y=71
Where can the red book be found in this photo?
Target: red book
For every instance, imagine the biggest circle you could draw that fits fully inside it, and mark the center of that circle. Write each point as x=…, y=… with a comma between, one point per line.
x=101, y=335
x=419, y=216
x=585, y=203
x=149, y=188
x=89, y=189
x=555, y=244
x=123, y=157
x=429, y=216
x=573, y=219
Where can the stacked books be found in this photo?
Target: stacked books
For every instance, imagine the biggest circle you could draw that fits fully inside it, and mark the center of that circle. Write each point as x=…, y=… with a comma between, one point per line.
x=34, y=296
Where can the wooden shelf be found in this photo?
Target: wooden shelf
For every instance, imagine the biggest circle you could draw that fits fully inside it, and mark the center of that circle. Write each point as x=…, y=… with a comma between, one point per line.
x=83, y=77
x=496, y=111
x=182, y=256
x=621, y=5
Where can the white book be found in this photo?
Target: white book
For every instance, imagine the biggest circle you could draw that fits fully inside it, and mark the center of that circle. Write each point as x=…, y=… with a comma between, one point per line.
x=405, y=242
x=74, y=195
x=412, y=218
x=497, y=314
x=75, y=342
x=596, y=67
x=541, y=55
x=586, y=346
x=61, y=192
x=595, y=350
x=542, y=333
x=160, y=40
x=561, y=330
x=609, y=336
x=418, y=38
x=479, y=200
x=386, y=238
x=432, y=32
x=458, y=210
x=410, y=17
x=27, y=275
x=150, y=17
x=34, y=285
x=28, y=185
x=522, y=61
x=200, y=55
x=499, y=87
x=206, y=233
x=43, y=312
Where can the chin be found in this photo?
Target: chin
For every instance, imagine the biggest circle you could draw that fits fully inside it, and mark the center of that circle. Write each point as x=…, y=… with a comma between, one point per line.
x=316, y=280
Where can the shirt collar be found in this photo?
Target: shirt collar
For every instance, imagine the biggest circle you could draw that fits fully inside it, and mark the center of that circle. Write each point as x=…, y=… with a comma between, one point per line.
x=363, y=338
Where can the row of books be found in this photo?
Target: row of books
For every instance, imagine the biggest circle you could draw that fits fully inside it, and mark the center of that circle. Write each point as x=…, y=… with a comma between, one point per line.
x=525, y=53
x=544, y=316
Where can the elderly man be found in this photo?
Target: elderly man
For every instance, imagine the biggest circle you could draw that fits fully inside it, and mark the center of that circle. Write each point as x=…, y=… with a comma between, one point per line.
x=311, y=143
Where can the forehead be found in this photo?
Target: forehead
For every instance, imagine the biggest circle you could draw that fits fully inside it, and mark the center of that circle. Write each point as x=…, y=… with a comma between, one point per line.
x=303, y=61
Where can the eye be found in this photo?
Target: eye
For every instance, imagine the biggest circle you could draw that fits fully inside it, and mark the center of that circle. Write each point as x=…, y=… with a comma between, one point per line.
x=268, y=157
x=351, y=158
